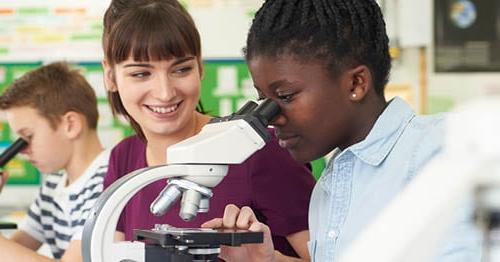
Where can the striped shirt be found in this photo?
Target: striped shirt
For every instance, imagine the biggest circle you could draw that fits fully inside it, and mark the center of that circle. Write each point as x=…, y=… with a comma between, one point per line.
x=59, y=212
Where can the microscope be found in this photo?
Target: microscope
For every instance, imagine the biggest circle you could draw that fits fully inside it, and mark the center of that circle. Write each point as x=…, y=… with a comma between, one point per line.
x=194, y=166
x=11, y=151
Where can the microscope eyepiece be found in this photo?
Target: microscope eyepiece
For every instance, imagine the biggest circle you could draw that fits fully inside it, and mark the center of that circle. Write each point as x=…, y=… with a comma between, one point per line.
x=266, y=111
x=12, y=151
x=247, y=108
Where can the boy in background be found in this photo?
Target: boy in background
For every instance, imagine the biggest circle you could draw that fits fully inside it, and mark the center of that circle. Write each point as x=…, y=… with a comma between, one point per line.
x=55, y=110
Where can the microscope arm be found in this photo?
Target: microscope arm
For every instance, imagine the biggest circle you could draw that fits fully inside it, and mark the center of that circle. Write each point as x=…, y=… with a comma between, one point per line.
x=412, y=226
x=98, y=237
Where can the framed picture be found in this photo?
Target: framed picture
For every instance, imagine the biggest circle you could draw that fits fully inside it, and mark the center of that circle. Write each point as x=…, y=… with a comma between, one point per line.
x=466, y=36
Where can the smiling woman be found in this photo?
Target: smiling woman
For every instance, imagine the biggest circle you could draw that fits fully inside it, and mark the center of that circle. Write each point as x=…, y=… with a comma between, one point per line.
x=175, y=40
x=162, y=94
x=153, y=75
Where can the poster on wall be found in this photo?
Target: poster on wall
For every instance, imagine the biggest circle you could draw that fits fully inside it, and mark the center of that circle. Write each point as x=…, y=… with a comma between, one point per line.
x=40, y=31
x=466, y=35
x=53, y=30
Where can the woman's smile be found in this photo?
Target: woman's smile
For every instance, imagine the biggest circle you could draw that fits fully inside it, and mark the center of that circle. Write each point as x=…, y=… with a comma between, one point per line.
x=164, y=111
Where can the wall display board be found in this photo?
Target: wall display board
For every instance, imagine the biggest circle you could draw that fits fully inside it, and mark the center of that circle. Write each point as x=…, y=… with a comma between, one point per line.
x=53, y=29
x=467, y=35
x=49, y=30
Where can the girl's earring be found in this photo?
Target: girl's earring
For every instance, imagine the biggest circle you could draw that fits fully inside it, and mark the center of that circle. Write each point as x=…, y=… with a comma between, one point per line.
x=353, y=95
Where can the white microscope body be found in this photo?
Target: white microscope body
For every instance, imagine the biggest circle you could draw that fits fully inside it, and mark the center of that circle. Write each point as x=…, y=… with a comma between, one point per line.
x=194, y=166
x=412, y=226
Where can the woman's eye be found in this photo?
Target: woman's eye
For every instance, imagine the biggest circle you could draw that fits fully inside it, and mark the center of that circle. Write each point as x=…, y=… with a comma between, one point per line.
x=183, y=70
x=140, y=74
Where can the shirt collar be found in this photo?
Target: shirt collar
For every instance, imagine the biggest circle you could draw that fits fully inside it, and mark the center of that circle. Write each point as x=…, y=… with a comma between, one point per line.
x=385, y=133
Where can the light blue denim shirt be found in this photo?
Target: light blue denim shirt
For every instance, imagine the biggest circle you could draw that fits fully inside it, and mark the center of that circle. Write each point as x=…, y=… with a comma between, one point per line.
x=362, y=179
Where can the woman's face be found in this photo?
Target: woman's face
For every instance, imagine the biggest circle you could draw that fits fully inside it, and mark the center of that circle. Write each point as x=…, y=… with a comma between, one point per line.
x=314, y=109
x=161, y=96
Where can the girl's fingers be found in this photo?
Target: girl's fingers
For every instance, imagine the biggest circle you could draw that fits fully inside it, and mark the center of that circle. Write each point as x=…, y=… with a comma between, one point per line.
x=246, y=218
x=231, y=213
x=214, y=223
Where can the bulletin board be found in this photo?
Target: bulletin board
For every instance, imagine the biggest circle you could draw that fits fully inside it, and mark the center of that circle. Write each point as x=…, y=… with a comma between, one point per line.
x=50, y=30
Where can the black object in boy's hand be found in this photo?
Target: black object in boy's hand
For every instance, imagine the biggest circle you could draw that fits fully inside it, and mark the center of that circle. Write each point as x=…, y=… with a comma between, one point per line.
x=7, y=225
x=12, y=150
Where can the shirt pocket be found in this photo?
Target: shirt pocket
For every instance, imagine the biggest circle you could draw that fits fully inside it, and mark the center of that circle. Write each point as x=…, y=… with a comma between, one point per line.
x=311, y=245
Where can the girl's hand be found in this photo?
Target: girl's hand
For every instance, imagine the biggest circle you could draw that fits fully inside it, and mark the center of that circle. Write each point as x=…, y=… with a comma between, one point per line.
x=244, y=218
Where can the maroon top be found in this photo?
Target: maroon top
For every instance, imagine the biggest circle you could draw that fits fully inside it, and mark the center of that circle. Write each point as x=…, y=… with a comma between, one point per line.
x=274, y=185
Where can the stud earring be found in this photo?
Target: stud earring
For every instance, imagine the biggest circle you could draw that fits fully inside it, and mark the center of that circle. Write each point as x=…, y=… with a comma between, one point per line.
x=353, y=95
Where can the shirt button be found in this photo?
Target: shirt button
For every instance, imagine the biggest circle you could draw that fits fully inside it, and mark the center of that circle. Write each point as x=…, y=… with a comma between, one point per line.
x=332, y=234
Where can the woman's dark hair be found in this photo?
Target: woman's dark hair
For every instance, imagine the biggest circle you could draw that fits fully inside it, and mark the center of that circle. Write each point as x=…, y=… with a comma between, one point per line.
x=147, y=30
x=343, y=33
